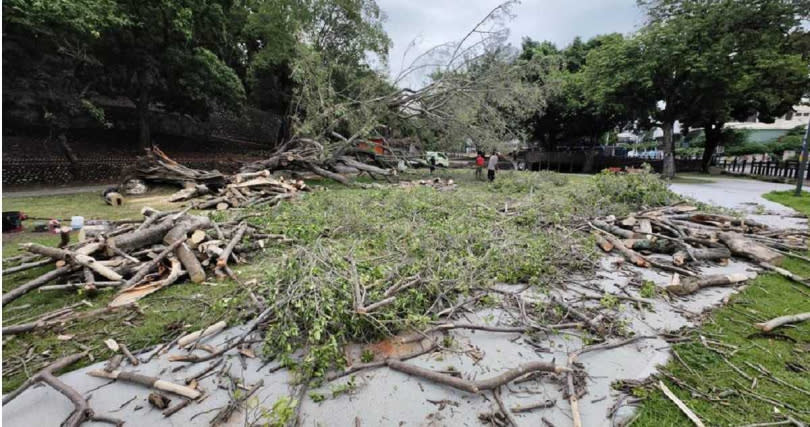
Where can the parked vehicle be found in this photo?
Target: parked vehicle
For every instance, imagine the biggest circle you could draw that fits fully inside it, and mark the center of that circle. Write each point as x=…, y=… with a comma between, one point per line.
x=441, y=158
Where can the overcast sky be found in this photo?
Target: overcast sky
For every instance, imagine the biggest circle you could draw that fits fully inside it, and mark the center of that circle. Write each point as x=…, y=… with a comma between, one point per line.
x=431, y=22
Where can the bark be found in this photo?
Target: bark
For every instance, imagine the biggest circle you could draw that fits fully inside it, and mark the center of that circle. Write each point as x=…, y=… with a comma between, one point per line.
x=140, y=238
x=713, y=132
x=710, y=254
x=782, y=320
x=742, y=246
x=668, y=170
x=129, y=296
x=691, y=285
x=82, y=411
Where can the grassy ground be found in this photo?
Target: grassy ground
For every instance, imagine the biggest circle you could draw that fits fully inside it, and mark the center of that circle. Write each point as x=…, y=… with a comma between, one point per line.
x=516, y=230
x=800, y=203
x=708, y=384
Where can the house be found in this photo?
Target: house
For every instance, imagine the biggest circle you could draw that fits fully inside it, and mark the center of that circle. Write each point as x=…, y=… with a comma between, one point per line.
x=763, y=132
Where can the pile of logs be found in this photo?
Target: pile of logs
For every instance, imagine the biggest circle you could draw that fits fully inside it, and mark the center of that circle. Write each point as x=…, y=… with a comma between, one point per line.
x=243, y=190
x=678, y=238
x=135, y=258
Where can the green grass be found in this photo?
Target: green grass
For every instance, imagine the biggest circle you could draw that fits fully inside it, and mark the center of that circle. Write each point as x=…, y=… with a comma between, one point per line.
x=787, y=198
x=766, y=297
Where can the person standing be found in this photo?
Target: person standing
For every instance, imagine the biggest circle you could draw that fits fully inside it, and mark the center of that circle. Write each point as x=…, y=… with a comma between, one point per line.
x=492, y=166
x=479, y=166
x=432, y=164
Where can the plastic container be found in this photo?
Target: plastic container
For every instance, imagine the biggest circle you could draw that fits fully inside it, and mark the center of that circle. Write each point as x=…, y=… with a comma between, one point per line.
x=76, y=222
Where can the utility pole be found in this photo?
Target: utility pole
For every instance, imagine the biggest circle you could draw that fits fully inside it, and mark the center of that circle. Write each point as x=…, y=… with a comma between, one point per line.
x=802, y=163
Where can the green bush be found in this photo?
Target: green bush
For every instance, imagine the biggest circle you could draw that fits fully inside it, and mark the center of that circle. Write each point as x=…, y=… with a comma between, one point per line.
x=634, y=189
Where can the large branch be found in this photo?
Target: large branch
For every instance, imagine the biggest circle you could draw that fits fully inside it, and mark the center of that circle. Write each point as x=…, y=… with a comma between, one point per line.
x=82, y=412
x=479, y=385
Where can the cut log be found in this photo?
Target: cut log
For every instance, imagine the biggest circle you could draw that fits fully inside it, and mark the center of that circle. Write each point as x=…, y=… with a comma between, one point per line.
x=140, y=238
x=644, y=226
x=612, y=229
x=691, y=285
x=782, y=320
x=114, y=199
x=148, y=381
x=630, y=254
x=189, y=192
x=81, y=259
x=244, y=176
x=149, y=266
x=64, y=237
x=189, y=339
x=222, y=261
x=748, y=248
x=602, y=242
x=710, y=254
x=186, y=256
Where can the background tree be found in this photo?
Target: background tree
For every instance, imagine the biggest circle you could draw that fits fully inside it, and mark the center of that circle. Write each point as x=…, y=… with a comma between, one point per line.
x=745, y=62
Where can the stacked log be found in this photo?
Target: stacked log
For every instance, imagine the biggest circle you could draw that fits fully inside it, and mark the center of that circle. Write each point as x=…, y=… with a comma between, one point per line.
x=691, y=238
x=137, y=261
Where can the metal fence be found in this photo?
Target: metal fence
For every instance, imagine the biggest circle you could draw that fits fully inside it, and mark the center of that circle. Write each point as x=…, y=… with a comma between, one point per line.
x=775, y=169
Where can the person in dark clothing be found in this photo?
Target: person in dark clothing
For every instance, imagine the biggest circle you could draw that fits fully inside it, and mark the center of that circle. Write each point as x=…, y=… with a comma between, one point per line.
x=492, y=166
x=432, y=164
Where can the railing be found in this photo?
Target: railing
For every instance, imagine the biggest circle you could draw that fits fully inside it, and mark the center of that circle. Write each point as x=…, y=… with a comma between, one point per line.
x=784, y=169
x=574, y=162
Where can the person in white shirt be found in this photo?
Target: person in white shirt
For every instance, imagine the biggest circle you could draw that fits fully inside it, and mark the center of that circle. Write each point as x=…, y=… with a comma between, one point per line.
x=492, y=166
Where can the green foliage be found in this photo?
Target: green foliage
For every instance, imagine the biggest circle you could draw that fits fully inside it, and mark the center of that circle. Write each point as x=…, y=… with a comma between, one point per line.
x=281, y=413
x=648, y=289
x=639, y=189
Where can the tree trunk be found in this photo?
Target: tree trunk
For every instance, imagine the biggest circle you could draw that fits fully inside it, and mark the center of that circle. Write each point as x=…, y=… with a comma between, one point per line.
x=712, y=131
x=144, y=136
x=587, y=167
x=668, y=148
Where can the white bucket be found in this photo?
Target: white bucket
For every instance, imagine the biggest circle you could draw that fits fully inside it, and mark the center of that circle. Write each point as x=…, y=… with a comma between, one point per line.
x=76, y=222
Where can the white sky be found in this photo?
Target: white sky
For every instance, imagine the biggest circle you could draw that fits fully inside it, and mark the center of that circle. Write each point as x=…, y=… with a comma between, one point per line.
x=431, y=22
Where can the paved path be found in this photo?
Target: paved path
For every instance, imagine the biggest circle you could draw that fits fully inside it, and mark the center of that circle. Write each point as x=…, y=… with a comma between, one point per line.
x=55, y=191
x=743, y=195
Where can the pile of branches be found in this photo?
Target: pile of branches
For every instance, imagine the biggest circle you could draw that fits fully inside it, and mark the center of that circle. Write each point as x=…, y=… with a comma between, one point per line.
x=156, y=166
x=243, y=190
x=135, y=258
x=679, y=238
x=308, y=155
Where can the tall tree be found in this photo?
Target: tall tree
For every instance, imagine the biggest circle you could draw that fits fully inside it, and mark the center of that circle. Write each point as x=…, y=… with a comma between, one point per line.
x=744, y=61
x=158, y=58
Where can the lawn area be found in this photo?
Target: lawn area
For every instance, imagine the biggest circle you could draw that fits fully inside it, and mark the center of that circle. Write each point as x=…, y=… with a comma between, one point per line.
x=517, y=230
x=726, y=384
x=787, y=198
